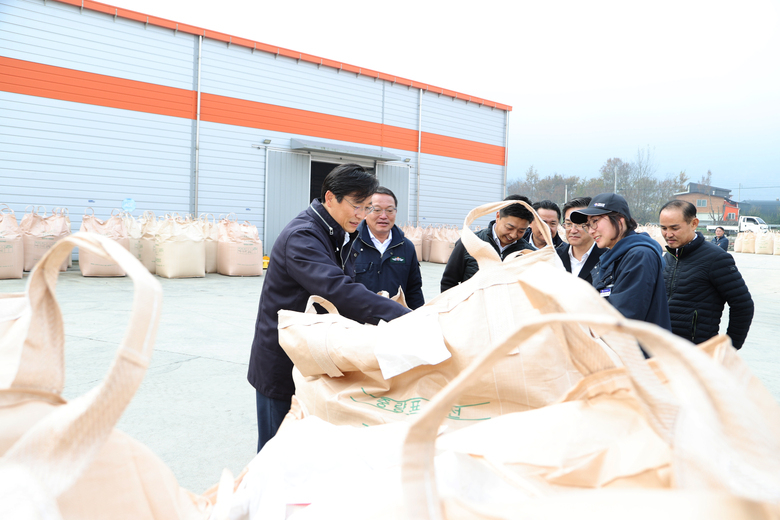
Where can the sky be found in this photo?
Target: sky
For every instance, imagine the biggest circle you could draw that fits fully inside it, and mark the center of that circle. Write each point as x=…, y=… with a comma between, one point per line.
x=697, y=83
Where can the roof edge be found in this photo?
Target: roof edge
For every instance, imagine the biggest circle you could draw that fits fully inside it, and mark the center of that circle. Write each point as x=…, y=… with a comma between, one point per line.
x=272, y=49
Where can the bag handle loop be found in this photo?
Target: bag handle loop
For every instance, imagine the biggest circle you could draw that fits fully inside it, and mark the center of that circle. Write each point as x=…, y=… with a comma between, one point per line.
x=321, y=301
x=61, y=446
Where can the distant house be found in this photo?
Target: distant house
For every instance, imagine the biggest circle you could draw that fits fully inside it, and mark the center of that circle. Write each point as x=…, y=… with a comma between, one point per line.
x=713, y=205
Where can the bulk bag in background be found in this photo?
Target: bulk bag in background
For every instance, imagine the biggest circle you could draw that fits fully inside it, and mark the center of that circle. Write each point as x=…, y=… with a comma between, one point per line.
x=749, y=242
x=427, y=236
x=239, y=250
x=441, y=246
x=777, y=244
x=11, y=245
x=765, y=243
x=354, y=374
x=71, y=448
x=113, y=229
x=180, y=250
x=149, y=227
x=40, y=232
x=211, y=236
x=738, y=242
x=134, y=233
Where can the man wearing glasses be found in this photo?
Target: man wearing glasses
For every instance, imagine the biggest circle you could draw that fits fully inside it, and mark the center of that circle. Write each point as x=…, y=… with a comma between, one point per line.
x=580, y=255
x=313, y=255
x=386, y=260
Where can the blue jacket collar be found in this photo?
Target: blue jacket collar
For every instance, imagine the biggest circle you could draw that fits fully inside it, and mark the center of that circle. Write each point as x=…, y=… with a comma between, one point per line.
x=397, y=238
x=321, y=217
x=688, y=248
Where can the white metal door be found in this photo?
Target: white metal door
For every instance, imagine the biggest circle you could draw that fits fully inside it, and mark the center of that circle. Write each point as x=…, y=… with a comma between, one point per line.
x=396, y=178
x=286, y=191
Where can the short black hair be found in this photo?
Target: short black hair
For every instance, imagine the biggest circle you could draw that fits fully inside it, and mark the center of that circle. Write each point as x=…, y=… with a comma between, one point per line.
x=386, y=191
x=688, y=209
x=548, y=204
x=349, y=179
x=517, y=210
x=615, y=217
x=721, y=228
x=579, y=202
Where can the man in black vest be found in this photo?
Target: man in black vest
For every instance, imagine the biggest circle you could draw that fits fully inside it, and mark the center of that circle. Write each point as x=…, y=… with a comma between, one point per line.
x=504, y=234
x=700, y=278
x=580, y=255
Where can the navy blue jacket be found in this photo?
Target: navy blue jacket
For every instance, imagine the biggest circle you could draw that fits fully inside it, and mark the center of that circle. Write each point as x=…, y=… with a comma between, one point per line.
x=700, y=279
x=721, y=242
x=630, y=275
x=397, y=267
x=308, y=257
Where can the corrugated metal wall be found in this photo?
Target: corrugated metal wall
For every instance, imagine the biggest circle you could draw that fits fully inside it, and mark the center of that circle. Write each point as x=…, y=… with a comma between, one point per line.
x=67, y=153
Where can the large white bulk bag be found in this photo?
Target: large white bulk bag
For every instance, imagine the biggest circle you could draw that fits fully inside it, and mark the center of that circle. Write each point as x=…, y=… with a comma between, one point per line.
x=240, y=250
x=11, y=245
x=180, y=250
x=148, y=231
x=40, y=232
x=765, y=243
x=91, y=264
x=749, y=242
x=738, y=242
x=211, y=236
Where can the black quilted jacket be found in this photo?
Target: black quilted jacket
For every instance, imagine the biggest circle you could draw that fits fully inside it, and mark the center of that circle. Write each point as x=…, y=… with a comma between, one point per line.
x=700, y=278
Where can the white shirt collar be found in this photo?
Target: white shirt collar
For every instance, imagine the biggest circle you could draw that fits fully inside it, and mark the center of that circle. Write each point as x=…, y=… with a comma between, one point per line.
x=380, y=246
x=576, y=265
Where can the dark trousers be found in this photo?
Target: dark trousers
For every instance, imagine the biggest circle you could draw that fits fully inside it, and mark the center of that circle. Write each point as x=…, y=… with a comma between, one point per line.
x=270, y=414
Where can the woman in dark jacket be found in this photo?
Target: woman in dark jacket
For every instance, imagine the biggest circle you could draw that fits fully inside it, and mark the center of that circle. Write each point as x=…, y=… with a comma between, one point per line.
x=630, y=272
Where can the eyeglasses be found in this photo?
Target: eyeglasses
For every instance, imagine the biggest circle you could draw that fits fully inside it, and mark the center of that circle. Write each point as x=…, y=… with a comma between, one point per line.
x=571, y=225
x=358, y=210
x=387, y=211
x=593, y=223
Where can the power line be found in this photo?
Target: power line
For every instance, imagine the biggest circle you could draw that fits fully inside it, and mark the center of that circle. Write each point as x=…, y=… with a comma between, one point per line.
x=754, y=188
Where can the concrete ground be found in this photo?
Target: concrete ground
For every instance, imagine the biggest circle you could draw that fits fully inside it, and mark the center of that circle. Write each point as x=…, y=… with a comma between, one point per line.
x=195, y=408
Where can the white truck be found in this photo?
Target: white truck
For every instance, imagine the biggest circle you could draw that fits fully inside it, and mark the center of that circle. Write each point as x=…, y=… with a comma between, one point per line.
x=746, y=223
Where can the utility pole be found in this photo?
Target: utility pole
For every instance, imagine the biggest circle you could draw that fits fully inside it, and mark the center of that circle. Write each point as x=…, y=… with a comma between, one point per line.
x=565, y=193
x=615, y=190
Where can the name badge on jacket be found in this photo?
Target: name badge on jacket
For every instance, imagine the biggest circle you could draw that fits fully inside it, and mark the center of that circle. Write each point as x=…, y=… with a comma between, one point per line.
x=605, y=292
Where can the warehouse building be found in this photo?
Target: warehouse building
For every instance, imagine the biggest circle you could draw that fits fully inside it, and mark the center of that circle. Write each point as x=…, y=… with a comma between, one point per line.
x=99, y=104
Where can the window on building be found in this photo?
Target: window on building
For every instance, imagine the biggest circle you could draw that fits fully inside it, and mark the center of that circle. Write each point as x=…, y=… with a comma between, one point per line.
x=701, y=203
x=731, y=216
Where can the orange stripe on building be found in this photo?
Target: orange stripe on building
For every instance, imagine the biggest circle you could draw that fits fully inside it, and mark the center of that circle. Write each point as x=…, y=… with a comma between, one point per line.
x=35, y=79
x=47, y=81
x=251, y=44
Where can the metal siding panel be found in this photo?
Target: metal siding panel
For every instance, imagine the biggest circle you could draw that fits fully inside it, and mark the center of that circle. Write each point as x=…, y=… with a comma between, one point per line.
x=264, y=78
x=60, y=35
x=232, y=173
x=457, y=118
x=396, y=178
x=287, y=188
x=85, y=153
x=400, y=106
x=450, y=188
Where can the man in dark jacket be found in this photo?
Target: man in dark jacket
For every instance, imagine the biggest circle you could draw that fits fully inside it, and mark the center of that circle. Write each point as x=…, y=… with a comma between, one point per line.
x=550, y=214
x=503, y=234
x=720, y=238
x=700, y=277
x=580, y=255
x=312, y=256
x=386, y=259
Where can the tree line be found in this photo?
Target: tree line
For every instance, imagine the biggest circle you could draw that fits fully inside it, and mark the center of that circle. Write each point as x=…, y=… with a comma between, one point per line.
x=635, y=180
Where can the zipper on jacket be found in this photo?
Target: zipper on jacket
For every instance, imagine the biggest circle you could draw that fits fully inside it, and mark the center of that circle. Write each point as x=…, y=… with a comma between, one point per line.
x=672, y=283
x=330, y=229
x=695, y=319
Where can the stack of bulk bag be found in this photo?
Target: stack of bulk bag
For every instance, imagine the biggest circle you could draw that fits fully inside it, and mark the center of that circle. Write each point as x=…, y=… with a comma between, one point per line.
x=41, y=232
x=149, y=226
x=180, y=250
x=749, y=242
x=765, y=243
x=239, y=250
x=113, y=229
x=442, y=243
x=211, y=236
x=11, y=245
x=83, y=467
x=738, y=242
x=414, y=234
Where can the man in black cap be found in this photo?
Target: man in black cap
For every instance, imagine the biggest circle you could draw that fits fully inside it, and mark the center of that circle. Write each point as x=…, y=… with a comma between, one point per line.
x=630, y=273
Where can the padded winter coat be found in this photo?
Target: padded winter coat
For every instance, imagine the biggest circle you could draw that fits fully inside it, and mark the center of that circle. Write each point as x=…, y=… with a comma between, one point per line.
x=700, y=278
